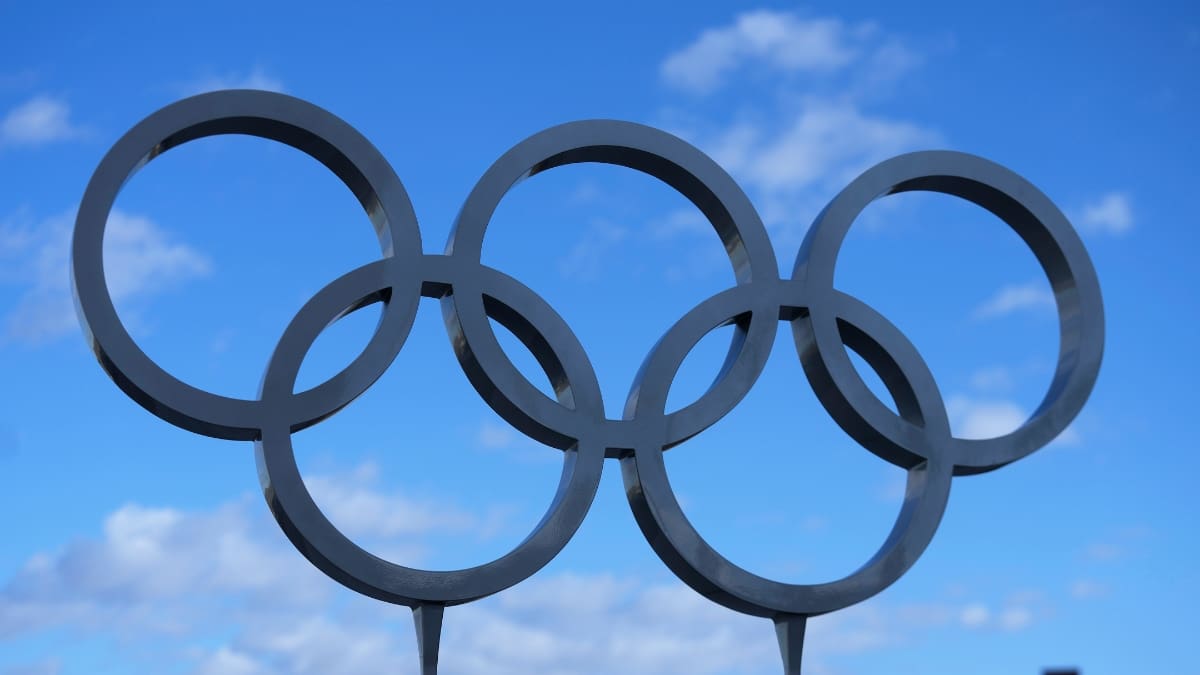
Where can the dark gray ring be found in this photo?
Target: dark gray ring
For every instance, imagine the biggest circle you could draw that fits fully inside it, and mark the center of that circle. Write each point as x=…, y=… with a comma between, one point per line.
x=331, y=551
x=1047, y=233
x=699, y=565
x=269, y=115
x=651, y=151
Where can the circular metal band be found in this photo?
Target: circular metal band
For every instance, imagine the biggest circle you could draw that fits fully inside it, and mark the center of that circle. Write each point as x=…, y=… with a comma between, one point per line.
x=277, y=117
x=824, y=323
x=1051, y=239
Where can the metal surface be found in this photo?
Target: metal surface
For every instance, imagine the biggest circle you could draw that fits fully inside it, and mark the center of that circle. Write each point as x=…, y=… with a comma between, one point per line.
x=823, y=320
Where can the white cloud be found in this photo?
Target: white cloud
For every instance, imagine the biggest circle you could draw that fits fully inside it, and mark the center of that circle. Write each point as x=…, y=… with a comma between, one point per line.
x=995, y=378
x=162, y=577
x=814, y=523
x=155, y=571
x=1015, y=618
x=168, y=573
x=792, y=164
x=682, y=222
x=1069, y=437
x=494, y=436
x=990, y=418
x=972, y=418
x=315, y=645
x=355, y=505
x=1104, y=552
x=1111, y=214
x=497, y=435
x=1085, y=589
x=794, y=154
x=141, y=260
x=1035, y=295
x=40, y=120
x=533, y=627
x=586, y=260
x=223, y=592
x=798, y=142
x=975, y=615
x=1121, y=543
x=258, y=78
x=226, y=661
x=826, y=142
x=778, y=40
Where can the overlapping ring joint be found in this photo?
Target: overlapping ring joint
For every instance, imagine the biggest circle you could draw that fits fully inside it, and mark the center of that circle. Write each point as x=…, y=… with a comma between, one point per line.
x=824, y=322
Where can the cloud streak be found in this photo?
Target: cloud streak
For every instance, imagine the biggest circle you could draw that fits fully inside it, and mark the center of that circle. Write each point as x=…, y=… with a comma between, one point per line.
x=257, y=78
x=1032, y=296
x=779, y=41
x=974, y=418
x=141, y=260
x=40, y=120
x=221, y=591
x=825, y=142
x=1110, y=214
x=818, y=134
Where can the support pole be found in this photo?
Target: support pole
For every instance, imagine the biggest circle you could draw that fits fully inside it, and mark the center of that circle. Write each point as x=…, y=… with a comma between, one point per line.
x=789, y=630
x=428, y=621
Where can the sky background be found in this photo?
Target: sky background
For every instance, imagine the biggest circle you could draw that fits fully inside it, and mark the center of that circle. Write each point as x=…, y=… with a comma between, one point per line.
x=131, y=546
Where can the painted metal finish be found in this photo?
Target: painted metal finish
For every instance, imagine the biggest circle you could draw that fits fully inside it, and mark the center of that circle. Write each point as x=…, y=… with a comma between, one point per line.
x=824, y=322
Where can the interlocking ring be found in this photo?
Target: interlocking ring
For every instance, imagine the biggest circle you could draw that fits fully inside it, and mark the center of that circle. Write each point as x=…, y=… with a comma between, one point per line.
x=824, y=323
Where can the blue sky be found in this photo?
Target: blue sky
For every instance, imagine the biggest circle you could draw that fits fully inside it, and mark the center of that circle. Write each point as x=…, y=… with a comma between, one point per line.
x=134, y=547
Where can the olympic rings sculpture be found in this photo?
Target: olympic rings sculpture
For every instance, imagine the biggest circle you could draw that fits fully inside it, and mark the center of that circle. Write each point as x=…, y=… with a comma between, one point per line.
x=824, y=323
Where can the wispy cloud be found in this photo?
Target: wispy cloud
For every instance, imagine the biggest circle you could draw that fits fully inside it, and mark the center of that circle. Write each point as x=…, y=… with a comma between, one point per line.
x=1104, y=551
x=824, y=142
x=1119, y=544
x=149, y=560
x=221, y=591
x=146, y=560
x=257, y=78
x=990, y=418
x=40, y=120
x=815, y=132
x=228, y=661
x=1110, y=214
x=1032, y=296
x=141, y=260
x=586, y=260
x=807, y=133
x=359, y=508
x=971, y=418
x=777, y=40
x=495, y=436
x=1086, y=589
x=992, y=379
x=1014, y=616
x=975, y=615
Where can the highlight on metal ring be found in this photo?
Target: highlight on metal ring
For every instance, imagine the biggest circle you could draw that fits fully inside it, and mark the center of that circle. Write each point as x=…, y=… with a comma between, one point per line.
x=824, y=322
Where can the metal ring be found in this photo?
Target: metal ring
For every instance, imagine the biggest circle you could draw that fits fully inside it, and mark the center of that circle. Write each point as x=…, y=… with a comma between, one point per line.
x=694, y=561
x=331, y=551
x=268, y=115
x=1047, y=233
x=634, y=146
